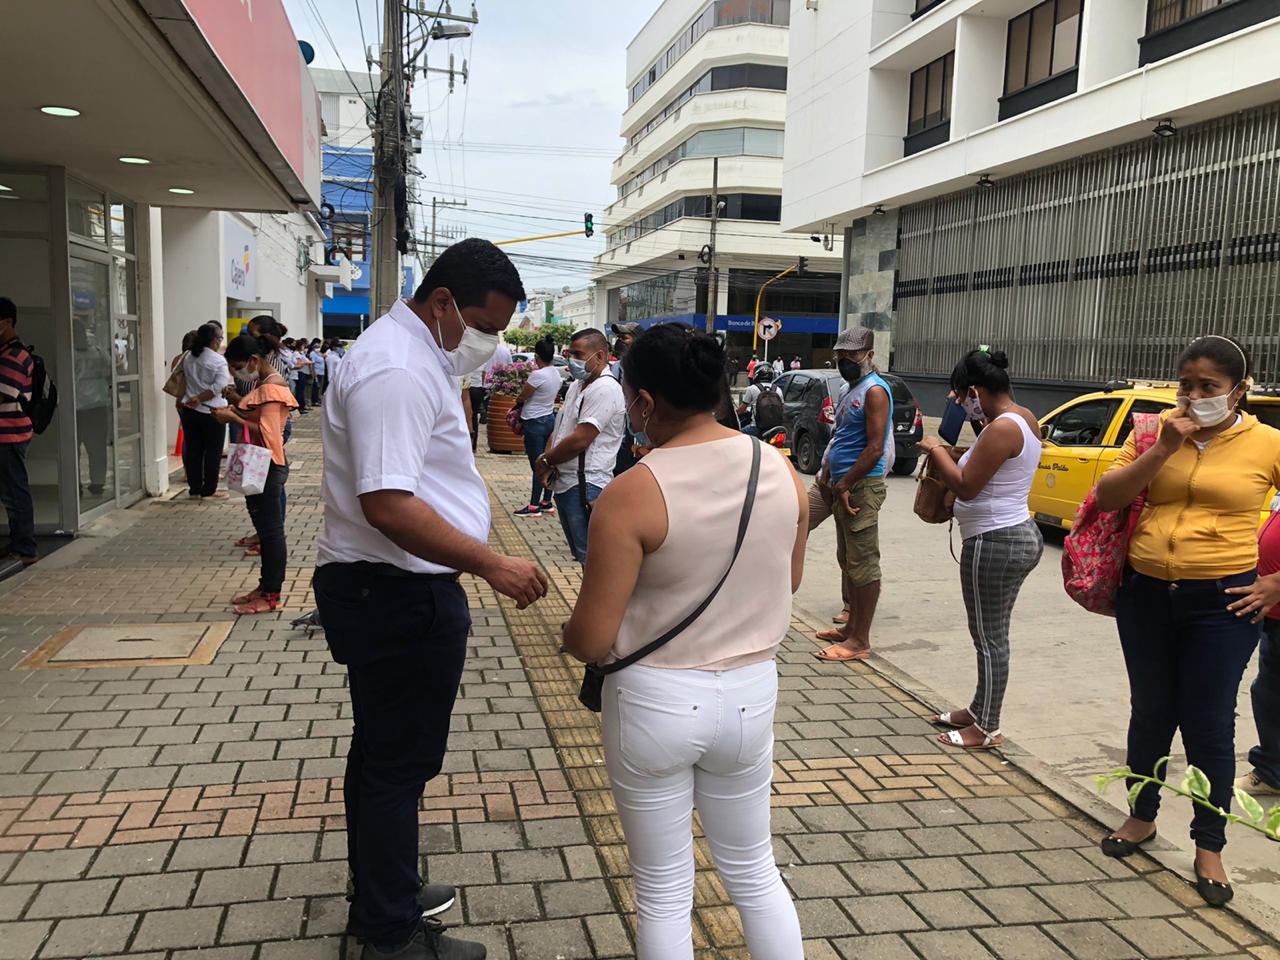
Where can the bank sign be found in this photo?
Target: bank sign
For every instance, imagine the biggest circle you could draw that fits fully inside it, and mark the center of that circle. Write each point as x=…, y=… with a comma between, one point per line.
x=240, y=259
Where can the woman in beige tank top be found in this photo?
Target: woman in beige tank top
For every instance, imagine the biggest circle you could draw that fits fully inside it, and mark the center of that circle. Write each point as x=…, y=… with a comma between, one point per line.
x=692, y=723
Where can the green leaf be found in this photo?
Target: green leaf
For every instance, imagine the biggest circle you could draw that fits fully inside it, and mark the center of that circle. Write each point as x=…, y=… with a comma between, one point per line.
x=1161, y=766
x=1133, y=795
x=1273, y=821
x=1252, y=808
x=1196, y=783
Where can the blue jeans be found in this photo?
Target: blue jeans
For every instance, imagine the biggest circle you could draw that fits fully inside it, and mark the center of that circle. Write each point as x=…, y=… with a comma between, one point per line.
x=301, y=388
x=574, y=519
x=536, y=434
x=1265, y=691
x=1185, y=654
x=15, y=494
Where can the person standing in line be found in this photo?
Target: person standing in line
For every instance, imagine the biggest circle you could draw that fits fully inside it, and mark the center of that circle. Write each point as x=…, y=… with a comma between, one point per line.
x=626, y=332
x=1263, y=599
x=303, y=382
x=795, y=363
x=537, y=405
x=691, y=725
x=405, y=512
x=16, y=368
x=479, y=390
x=778, y=367
x=583, y=451
x=751, y=367
x=1206, y=478
x=262, y=415
x=1002, y=544
x=735, y=366
x=333, y=359
x=203, y=436
x=857, y=460
x=318, y=374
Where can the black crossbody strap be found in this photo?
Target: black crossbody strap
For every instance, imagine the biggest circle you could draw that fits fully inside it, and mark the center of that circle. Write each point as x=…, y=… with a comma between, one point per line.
x=747, y=503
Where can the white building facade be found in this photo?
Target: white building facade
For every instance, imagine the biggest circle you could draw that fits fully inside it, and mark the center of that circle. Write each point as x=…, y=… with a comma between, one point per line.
x=1087, y=184
x=706, y=80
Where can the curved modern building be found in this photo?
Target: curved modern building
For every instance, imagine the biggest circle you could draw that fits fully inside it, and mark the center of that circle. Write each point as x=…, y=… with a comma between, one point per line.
x=707, y=80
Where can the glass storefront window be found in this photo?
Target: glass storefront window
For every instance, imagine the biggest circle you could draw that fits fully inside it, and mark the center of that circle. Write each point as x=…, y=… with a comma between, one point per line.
x=128, y=408
x=122, y=227
x=86, y=212
x=91, y=341
x=125, y=285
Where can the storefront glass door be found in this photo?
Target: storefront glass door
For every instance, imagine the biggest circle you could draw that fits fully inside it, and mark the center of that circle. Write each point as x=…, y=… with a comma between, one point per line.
x=91, y=365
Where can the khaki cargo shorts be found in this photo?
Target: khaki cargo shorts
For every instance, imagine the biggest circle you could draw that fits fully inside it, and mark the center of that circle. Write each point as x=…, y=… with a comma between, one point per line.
x=858, y=535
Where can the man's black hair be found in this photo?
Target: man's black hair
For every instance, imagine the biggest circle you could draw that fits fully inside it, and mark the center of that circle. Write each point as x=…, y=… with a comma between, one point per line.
x=469, y=270
x=8, y=310
x=596, y=337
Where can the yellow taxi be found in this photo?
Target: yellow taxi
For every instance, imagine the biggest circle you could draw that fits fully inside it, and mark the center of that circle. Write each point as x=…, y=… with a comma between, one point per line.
x=1083, y=437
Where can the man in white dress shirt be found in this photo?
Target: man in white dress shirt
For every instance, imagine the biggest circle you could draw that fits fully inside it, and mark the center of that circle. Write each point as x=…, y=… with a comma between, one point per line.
x=405, y=512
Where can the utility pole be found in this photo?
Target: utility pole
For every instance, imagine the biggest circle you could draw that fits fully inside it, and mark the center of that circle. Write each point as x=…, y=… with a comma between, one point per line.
x=713, y=275
x=388, y=163
x=436, y=203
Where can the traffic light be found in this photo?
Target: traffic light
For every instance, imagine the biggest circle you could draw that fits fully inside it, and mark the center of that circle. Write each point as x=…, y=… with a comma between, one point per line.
x=802, y=266
x=589, y=224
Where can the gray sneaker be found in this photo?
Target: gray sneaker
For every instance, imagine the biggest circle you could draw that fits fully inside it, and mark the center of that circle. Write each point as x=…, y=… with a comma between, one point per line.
x=1255, y=786
x=429, y=943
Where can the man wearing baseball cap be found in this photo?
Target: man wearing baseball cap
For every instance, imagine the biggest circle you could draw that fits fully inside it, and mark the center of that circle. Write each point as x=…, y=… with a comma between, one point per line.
x=854, y=468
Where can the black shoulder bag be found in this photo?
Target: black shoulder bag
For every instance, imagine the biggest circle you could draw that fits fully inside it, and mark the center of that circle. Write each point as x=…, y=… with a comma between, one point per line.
x=593, y=677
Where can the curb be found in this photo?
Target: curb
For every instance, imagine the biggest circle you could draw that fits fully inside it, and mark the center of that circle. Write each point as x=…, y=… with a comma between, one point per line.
x=1245, y=905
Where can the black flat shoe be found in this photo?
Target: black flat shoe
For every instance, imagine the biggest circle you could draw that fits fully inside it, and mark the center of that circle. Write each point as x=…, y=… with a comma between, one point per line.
x=1215, y=894
x=1118, y=848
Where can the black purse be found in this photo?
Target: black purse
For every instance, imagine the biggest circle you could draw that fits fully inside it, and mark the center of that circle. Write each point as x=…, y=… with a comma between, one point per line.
x=590, y=694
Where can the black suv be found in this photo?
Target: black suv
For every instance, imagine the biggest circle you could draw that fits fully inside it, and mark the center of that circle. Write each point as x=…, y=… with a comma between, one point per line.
x=810, y=397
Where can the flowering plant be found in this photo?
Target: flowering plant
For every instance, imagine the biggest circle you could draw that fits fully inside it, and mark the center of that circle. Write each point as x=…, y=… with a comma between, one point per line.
x=508, y=379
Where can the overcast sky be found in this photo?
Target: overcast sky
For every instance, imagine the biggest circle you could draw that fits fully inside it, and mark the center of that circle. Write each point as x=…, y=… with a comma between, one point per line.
x=538, y=121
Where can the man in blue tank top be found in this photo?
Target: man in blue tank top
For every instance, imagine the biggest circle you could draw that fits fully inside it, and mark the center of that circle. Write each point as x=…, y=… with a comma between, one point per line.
x=855, y=465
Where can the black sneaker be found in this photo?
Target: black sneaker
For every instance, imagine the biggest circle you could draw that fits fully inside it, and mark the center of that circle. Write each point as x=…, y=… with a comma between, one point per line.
x=429, y=943
x=548, y=509
x=436, y=898
x=529, y=511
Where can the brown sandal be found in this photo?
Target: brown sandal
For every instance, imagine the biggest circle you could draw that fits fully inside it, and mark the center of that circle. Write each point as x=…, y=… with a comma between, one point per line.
x=838, y=653
x=829, y=636
x=842, y=617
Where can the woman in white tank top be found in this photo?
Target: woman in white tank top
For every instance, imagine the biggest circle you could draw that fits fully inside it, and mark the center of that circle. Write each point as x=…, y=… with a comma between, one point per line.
x=1002, y=544
x=692, y=723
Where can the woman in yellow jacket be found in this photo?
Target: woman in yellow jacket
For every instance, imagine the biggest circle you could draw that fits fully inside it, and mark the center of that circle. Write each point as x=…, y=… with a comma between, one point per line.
x=1185, y=636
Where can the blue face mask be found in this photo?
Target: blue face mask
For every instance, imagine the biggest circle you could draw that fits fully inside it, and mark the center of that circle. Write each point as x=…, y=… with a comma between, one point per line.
x=578, y=369
x=641, y=438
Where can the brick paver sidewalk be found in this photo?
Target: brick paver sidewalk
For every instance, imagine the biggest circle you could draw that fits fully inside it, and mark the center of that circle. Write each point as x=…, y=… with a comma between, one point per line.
x=193, y=810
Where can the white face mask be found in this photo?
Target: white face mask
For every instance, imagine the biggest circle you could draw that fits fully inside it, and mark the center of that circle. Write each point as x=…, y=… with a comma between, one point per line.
x=474, y=349
x=1209, y=411
x=249, y=376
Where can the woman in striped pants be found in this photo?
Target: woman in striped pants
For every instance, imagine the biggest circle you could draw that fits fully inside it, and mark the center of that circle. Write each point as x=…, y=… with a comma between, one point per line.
x=1002, y=544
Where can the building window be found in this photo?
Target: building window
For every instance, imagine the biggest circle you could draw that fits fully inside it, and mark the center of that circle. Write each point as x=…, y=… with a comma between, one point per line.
x=924, y=6
x=718, y=13
x=1177, y=25
x=348, y=239
x=1167, y=13
x=758, y=76
x=931, y=95
x=733, y=142
x=1043, y=42
x=737, y=206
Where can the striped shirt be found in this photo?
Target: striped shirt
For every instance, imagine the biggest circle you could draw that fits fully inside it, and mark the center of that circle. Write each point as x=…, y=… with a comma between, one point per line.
x=279, y=363
x=15, y=386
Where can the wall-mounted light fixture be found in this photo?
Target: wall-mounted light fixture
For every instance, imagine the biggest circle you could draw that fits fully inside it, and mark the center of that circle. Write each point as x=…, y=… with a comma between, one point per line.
x=985, y=181
x=1165, y=129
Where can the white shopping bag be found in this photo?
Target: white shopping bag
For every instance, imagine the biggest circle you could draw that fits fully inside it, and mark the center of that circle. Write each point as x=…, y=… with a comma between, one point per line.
x=247, y=467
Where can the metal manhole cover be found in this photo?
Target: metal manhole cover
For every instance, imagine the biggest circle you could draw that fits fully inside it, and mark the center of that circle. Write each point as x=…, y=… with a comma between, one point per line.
x=130, y=644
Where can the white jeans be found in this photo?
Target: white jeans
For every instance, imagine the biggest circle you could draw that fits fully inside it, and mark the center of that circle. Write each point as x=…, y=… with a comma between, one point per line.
x=673, y=738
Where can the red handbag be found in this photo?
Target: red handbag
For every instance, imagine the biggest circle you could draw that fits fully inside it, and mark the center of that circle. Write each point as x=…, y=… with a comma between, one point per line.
x=1097, y=548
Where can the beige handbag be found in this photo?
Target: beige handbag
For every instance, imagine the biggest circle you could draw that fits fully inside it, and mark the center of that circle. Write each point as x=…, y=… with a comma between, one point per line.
x=176, y=385
x=935, y=502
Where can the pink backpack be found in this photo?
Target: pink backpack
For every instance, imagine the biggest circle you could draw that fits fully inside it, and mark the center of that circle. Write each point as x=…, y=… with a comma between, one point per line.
x=1097, y=548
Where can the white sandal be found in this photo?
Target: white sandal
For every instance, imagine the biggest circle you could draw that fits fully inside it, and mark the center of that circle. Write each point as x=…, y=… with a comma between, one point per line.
x=990, y=740
x=945, y=720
